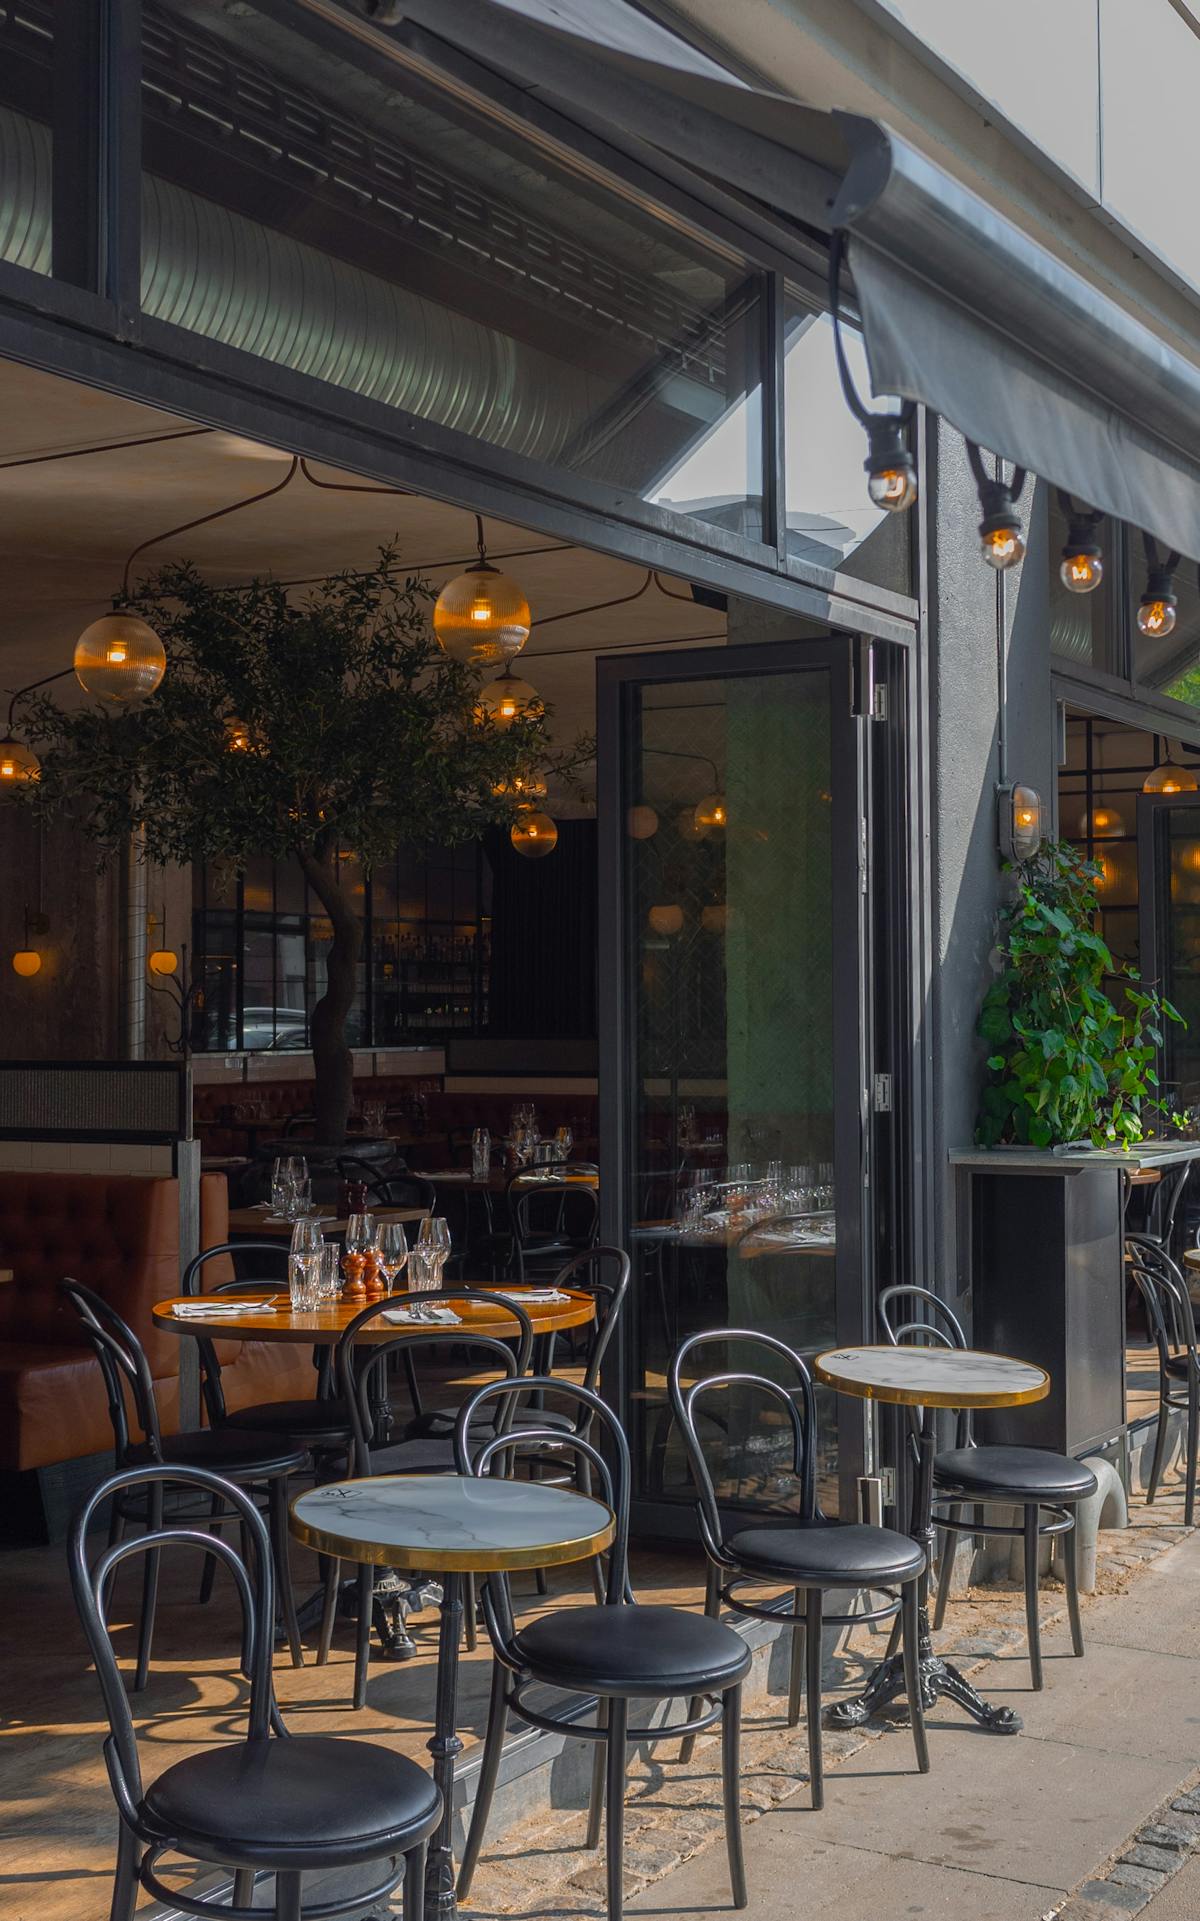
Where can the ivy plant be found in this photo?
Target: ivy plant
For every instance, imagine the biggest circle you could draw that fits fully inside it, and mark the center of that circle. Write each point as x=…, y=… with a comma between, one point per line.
x=1073, y=1034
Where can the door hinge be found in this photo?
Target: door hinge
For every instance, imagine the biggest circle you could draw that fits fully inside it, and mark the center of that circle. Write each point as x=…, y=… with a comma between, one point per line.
x=879, y=701
x=881, y=1093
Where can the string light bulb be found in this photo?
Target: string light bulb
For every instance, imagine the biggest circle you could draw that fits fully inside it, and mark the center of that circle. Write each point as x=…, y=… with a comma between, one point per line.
x=1157, y=606
x=891, y=472
x=1001, y=537
x=18, y=763
x=1082, y=566
x=506, y=699
x=119, y=658
x=533, y=834
x=481, y=617
x=238, y=738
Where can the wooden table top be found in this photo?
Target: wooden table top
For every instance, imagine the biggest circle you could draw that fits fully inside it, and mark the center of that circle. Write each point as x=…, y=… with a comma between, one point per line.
x=932, y=1376
x=323, y=1326
x=256, y=1221
x=451, y=1523
x=498, y=1181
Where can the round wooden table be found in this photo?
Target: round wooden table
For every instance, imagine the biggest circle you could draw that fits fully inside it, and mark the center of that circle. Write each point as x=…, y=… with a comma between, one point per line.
x=924, y=1379
x=454, y=1525
x=323, y=1326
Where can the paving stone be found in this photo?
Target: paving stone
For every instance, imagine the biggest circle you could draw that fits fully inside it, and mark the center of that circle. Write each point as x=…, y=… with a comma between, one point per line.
x=1165, y=1860
x=1163, y=1834
x=1149, y=1880
x=1101, y=1901
x=1188, y=1803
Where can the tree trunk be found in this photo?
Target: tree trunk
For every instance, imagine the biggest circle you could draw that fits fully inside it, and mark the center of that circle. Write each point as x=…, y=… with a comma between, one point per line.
x=333, y=1062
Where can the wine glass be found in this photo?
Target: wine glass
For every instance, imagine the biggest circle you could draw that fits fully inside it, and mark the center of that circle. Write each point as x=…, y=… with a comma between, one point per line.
x=360, y=1233
x=434, y=1241
x=391, y=1245
x=306, y=1235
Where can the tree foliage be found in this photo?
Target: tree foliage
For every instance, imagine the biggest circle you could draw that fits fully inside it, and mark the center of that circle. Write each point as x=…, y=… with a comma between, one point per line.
x=1073, y=1038
x=294, y=727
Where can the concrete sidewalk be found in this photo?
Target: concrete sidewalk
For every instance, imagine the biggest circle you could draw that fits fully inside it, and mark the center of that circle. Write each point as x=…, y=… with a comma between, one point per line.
x=1002, y=1829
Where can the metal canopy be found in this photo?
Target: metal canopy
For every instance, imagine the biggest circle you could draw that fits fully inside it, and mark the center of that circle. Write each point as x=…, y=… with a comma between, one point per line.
x=960, y=309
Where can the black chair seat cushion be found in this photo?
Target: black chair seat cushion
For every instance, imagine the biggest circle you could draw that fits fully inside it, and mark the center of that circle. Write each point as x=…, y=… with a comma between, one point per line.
x=1177, y=1366
x=307, y=1800
x=318, y=1421
x=651, y=1652
x=851, y=1556
x=238, y=1454
x=1022, y=1473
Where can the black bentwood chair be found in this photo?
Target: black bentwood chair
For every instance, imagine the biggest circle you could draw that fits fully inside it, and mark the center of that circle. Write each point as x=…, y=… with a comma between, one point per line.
x=321, y=1424
x=1172, y=1322
x=1031, y=1478
x=801, y=1548
x=363, y=1366
x=274, y=1804
x=255, y=1460
x=617, y=1651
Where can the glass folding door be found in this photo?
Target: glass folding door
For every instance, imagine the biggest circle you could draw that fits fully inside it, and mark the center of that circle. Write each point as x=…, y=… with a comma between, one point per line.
x=1169, y=929
x=730, y=1032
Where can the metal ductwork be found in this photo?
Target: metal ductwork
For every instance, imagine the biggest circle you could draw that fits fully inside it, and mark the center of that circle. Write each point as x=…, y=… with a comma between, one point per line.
x=211, y=270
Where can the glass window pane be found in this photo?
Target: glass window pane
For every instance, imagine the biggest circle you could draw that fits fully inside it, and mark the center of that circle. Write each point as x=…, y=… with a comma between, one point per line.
x=26, y=141
x=830, y=520
x=731, y=964
x=379, y=236
x=1082, y=626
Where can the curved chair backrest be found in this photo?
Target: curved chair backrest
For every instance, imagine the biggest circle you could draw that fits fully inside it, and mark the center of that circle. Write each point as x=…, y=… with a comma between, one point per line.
x=609, y=1462
x=933, y=1325
x=555, y=1209
x=193, y=1276
x=124, y=1366
x=400, y=1190
x=939, y=1326
x=797, y=1400
x=90, y=1586
x=1167, y=1299
x=362, y=1364
x=585, y=1271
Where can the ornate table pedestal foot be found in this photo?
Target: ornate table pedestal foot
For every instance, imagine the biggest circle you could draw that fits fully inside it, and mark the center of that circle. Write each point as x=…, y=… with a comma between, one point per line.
x=441, y=1902
x=937, y=1678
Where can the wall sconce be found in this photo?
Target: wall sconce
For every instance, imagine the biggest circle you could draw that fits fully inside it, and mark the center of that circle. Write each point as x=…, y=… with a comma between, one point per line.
x=666, y=919
x=1019, y=811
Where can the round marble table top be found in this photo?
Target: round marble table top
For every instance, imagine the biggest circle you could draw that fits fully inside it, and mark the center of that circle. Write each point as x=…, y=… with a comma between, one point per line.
x=932, y=1376
x=451, y=1523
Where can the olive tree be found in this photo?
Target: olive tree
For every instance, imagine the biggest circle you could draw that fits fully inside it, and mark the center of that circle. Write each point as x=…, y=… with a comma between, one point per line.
x=294, y=726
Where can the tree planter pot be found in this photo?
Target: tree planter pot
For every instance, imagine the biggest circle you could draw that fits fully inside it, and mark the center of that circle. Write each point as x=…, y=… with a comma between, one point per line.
x=1047, y=1286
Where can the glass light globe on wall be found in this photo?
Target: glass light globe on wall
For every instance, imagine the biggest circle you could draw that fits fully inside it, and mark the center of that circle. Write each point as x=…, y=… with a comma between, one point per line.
x=119, y=658
x=27, y=962
x=533, y=834
x=711, y=816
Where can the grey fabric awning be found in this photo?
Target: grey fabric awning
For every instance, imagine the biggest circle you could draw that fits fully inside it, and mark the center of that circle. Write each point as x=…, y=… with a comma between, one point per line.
x=960, y=309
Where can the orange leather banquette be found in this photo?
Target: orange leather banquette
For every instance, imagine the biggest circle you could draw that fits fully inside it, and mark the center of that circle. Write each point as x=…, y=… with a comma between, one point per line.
x=118, y=1234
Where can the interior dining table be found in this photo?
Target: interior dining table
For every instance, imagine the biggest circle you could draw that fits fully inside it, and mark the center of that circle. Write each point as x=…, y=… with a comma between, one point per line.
x=258, y=1223
x=271, y=1317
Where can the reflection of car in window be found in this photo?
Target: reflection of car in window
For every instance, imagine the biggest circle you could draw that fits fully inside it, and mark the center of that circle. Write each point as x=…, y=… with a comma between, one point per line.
x=274, y=1029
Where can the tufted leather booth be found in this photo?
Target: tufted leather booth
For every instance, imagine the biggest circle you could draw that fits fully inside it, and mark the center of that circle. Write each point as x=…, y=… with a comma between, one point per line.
x=120, y=1235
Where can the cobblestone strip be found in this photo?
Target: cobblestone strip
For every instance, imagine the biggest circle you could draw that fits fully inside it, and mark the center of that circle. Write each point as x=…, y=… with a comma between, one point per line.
x=1143, y=1865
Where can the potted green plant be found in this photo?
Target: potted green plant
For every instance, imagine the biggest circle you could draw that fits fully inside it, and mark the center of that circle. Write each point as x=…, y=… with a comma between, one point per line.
x=1073, y=1034
x=1073, y=1038
x=303, y=727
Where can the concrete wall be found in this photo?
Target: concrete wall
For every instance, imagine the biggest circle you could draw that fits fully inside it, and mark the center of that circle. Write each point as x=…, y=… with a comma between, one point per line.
x=964, y=731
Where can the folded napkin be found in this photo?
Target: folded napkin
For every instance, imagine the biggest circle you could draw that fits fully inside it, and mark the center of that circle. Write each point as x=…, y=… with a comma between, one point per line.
x=523, y=1294
x=444, y=1316
x=203, y=1310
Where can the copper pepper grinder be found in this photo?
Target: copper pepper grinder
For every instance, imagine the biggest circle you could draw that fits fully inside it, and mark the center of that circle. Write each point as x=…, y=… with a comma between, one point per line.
x=352, y=1268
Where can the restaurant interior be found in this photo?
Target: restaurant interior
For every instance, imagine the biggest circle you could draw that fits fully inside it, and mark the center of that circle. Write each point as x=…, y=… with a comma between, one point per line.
x=476, y=1010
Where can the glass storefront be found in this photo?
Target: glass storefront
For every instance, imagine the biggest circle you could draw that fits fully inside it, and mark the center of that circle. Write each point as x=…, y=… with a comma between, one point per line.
x=734, y=872
x=26, y=136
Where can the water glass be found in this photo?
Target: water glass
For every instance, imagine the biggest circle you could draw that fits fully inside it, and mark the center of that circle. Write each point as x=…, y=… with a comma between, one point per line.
x=304, y=1275
x=329, y=1262
x=424, y=1273
x=391, y=1245
x=481, y=1154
